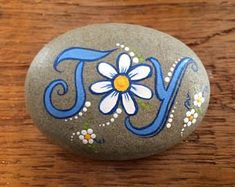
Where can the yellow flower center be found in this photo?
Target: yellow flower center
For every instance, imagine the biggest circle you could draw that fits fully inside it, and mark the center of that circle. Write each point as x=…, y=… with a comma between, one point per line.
x=190, y=118
x=121, y=83
x=87, y=136
x=199, y=100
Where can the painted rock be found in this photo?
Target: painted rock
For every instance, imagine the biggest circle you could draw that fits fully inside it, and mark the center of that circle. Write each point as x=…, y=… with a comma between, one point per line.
x=116, y=91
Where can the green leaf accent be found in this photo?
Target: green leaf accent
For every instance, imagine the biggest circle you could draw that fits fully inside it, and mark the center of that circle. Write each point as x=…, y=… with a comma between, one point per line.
x=143, y=105
x=141, y=58
x=93, y=147
x=198, y=110
x=85, y=126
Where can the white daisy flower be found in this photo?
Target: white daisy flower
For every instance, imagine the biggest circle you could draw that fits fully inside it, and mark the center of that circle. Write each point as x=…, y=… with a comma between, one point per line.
x=191, y=117
x=87, y=136
x=121, y=84
x=198, y=99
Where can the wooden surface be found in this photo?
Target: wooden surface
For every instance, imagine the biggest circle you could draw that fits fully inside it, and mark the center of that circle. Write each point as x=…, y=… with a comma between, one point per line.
x=206, y=158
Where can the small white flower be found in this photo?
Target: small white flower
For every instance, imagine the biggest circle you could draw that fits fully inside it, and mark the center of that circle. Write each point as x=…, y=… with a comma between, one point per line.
x=198, y=99
x=121, y=85
x=191, y=117
x=87, y=136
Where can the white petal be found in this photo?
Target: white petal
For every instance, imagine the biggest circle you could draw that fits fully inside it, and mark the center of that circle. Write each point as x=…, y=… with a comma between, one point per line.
x=91, y=141
x=195, y=115
x=93, y=136
x=200, y=94
x=195, y=103
x=109, y=102
x=101, y=87
x=195, y=97
x=124, y=63
x=140, y=72
x=194, y=121
x=186, y=120
x=141, y=91
x=90, y=131
x=84, y=132
x=107, y=70
x=203, y=100
x=84, y=141
x=192, y=111
x=128, y=104
x=189, y=123
x=81, y=137
x=188, y=113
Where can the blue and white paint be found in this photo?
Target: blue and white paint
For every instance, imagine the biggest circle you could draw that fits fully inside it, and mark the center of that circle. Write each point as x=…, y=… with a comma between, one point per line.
x=81, y=56
x=121, y=85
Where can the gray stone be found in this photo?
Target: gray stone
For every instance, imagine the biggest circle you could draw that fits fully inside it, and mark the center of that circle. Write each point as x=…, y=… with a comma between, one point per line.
x=118, y=118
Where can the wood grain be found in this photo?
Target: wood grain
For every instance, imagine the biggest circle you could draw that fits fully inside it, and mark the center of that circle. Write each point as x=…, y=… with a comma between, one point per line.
x=206, y=158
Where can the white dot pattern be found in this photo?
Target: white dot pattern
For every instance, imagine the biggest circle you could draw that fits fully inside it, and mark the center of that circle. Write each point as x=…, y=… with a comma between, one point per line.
x=112, y=119
x=171, y=116
x=80, y=114
x=170, y=73
x=131, y=53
